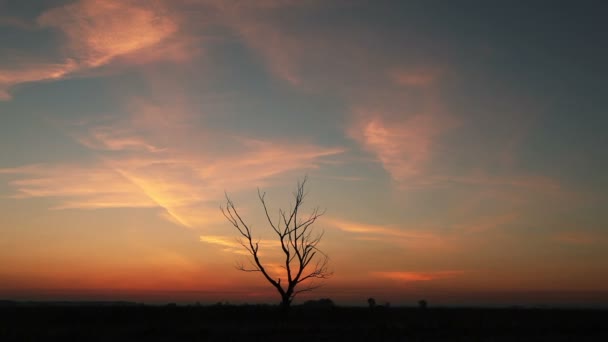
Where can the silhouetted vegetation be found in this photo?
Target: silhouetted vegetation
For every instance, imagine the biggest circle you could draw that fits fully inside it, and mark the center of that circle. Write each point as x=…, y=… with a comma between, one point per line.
x=371, y=302
x=313, y=322
x=323, y=303
x=303, y=261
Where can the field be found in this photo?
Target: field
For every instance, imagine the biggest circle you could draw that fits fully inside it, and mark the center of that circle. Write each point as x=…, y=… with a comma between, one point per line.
x=129, y=322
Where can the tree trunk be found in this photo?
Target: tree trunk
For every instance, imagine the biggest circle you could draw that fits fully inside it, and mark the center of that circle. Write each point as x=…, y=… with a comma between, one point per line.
x=285, y=305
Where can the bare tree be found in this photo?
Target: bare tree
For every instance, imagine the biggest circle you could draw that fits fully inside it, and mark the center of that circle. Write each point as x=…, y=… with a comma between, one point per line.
x=303, y=260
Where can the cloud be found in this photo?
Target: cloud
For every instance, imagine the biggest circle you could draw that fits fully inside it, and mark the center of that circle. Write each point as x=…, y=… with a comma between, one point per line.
x=111, y=139
x=280, y=51
x=581, y=238
x=265, y=158
x=228, y=244
x=93, y=187
x=288, y=51
x=232, y=245
x=407, y=276
x=486, y=223
x=150, y=160
x=540, y=183
x=135, y=32
x=184, y=188
x=33, y=72
x=270, y=251
x=404, y=147
x=415, y=77
x=253, y=23
x=97, y=33
x=16, y=22
x=411, y=238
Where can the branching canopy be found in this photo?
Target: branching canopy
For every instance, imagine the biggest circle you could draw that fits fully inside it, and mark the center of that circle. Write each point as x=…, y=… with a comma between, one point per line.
x=303, y=260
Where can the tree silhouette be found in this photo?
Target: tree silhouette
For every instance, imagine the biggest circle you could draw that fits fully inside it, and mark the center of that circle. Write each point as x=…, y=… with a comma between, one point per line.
x=303, y=260
x=371, y=302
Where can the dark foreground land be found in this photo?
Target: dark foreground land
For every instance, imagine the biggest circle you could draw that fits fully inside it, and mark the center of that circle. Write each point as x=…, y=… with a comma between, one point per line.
x=96, y=322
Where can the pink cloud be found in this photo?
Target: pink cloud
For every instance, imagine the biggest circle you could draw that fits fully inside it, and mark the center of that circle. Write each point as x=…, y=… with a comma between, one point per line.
x=110, y=139
x=100, y=32
x=94, y=187
x=407, y=276
x=541, y=183
x=417, y=238
x=318, y=57
x=232, y=245
x=285, y=52
x=33, y=72
x=280, y=52
x=156, y=158
x=486, y=223
x=403, y=147
x=15, y=22
x=187, y=188
x=582, y=238
x=415, y=77
x=268, y=158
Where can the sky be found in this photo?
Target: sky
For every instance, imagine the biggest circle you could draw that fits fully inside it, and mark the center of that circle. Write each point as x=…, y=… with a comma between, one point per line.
x=458, y=148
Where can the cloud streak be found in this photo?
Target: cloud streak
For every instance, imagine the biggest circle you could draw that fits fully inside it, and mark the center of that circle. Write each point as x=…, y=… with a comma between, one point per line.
x=143, y=161
x=579, y=238
x=97, y=33
x=415, y=77
x=403, y=147
x=178, y=185
x=419, y=239
x=93, y=187
x=407, y=276
x=33, y=72
x=232, y=245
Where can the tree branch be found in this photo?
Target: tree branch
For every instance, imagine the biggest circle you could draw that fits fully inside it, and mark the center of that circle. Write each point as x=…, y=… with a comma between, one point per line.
x=303, y=261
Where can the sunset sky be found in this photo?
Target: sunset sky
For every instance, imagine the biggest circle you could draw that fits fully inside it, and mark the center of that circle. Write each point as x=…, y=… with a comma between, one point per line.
x=458, y=147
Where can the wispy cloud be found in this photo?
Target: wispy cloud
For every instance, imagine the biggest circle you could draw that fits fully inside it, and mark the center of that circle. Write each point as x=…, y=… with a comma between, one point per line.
x=81, y=187
x=100, y=32
x=111, y=139
x=403, y=147
x=232, y=245
x=579, y=237
x=178, y=185
x=532, y=182
x=33, y=72
x=144, y=160
x=411, y=238
x=228, y=244
x=407, y=276
x=16, y=22
x=415, y=77
x=252, y=22
x=485, y=223
x=269, y=252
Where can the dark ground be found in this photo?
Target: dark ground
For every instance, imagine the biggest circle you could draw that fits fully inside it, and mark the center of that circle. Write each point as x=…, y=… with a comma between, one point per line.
x=125, y=322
